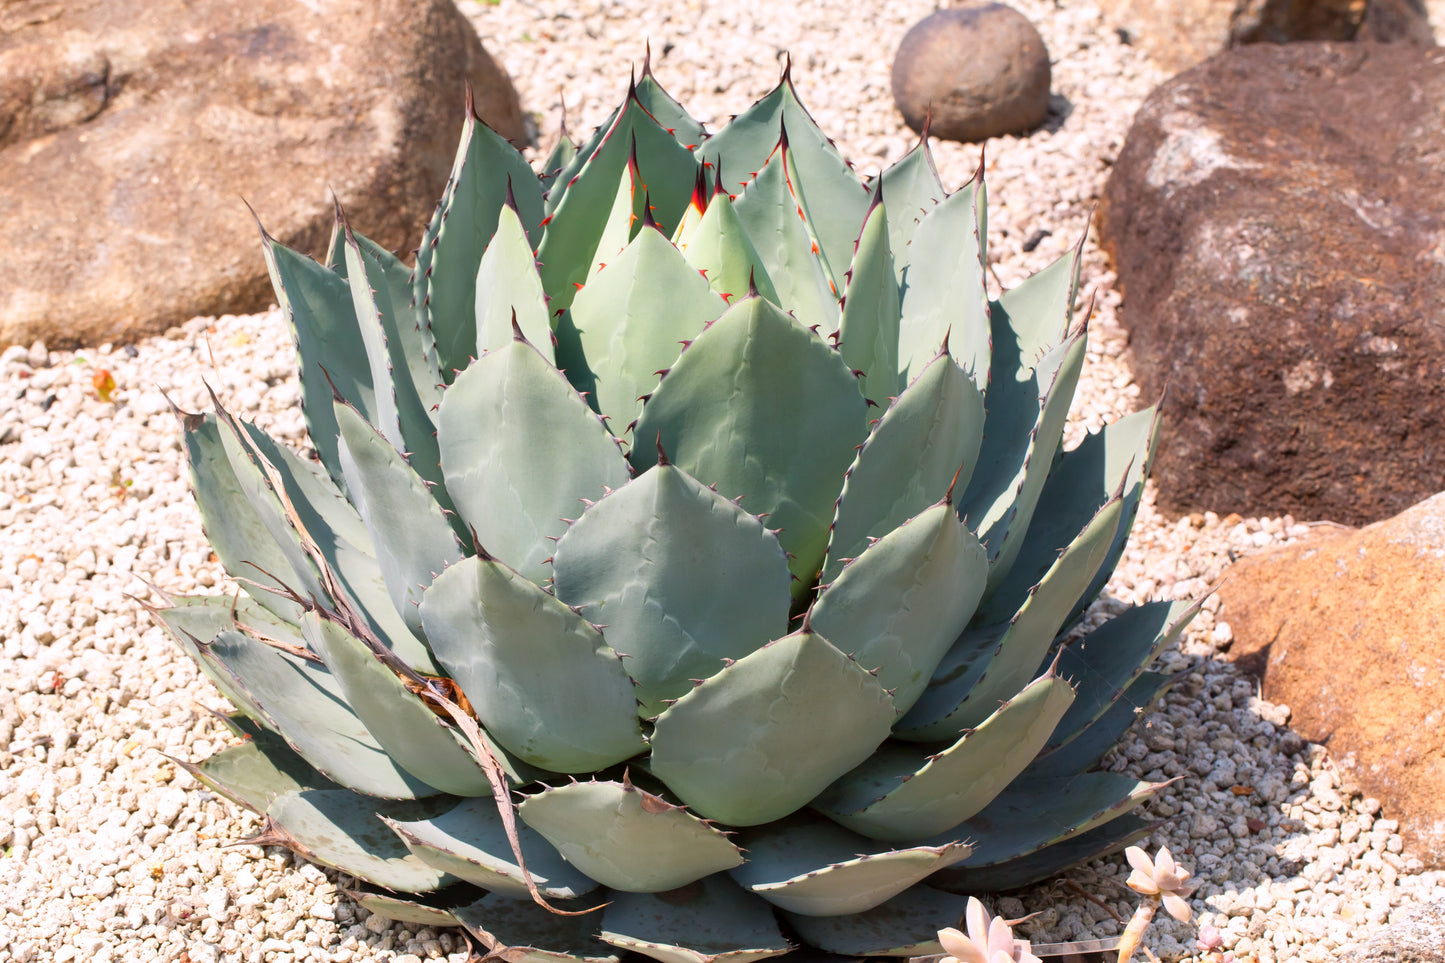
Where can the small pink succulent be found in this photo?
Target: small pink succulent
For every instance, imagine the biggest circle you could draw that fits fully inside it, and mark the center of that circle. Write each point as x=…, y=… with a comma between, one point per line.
x=1161, y=878
x=990, y=939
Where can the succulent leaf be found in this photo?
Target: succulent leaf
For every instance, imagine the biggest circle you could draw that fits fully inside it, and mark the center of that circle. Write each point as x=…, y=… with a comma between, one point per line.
x=236, y=531
x=771, y=213
x=254, y=773
x=900, y=605
x=470, y=842
x=762, y=408
x=745, y=144
x=720, y=248
x=1033, y=814
x=519, y=931
x=905, y=792
x=963, y=694
x=709, y=921
x=303, y=703
x=763, y=736
x=626, y=838
x=396, y=717
x=318, y=306
x=509, y=291
x=943, y=290
x=1113, y=461
x=868, y=325
x=1110, y=658
x=904, y=926
x=811, y=867
x=413, y=539
x=682, y=578
x=628, y=332
x=486, y=170
x=922, y=449
x=913, y=189
x=1021, y=436
x=1081, y=749
x=520, y=450
x=569, y=246
x=344, y=830
x=543, y=682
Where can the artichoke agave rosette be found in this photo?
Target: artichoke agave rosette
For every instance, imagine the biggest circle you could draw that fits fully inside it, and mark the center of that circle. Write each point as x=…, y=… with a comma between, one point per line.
x=608, y=585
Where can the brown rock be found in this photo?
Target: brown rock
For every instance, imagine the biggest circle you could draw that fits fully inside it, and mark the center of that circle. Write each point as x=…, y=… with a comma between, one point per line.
x=1274, y=218
x=1348, y=630
x=1177, y=34
x=981, y=71
x=131, y=132
x=1418, y=937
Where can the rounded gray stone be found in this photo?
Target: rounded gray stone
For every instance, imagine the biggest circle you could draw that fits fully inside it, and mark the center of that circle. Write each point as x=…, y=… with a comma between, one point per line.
x=980, y=71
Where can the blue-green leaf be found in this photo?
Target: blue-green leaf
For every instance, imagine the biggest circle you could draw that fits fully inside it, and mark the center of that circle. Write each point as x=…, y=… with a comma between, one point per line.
x=543, y=682
x=767, y=412
x=521, y=451
x=682, y=578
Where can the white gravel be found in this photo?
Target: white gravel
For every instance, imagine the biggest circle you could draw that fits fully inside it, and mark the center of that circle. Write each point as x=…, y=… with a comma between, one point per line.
x=112, y=852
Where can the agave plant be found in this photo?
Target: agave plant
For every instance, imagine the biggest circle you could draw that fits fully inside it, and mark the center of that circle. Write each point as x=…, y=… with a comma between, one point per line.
x=688, y=557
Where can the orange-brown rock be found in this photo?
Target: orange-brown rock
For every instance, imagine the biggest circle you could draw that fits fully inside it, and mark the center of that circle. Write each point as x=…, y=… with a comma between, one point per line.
x=130, y=133
x=1348, y=630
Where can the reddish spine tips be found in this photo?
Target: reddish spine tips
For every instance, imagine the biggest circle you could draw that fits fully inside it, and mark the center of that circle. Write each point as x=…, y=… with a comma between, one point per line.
x=472, y=103
x=517, y=329
x=699, y=190
x=661, y=452
x=647, y=218
x=948, y=495
x=752, y=284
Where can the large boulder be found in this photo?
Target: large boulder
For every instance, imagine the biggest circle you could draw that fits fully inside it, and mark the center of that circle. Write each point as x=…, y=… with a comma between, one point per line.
x=1348, y=630
x=131, y=132
x=1276, y=224
x=1177, y=34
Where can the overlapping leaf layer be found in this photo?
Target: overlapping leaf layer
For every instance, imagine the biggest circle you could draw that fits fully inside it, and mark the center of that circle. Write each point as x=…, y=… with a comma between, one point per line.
x=689, y=532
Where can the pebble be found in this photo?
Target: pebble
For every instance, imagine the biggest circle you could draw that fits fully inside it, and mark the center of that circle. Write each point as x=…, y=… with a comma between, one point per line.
x=111, y=852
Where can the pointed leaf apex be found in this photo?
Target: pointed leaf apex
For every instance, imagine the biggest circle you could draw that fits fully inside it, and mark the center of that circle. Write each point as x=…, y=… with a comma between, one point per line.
x=807, y=627
x=647, y=218
x=752, y=283
x=335, y=393
x=877, y=201
x=661, y=454
x=266, y=238
x=517, y=334
x=477, y=547
x=948, y=495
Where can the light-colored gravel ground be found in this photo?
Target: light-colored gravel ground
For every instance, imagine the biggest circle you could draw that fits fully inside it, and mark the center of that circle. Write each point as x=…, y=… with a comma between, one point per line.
x=111, y=852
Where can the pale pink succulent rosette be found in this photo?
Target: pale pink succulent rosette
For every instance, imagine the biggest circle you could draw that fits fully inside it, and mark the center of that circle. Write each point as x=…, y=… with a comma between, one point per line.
x=1162, y=878
x=990, y=939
